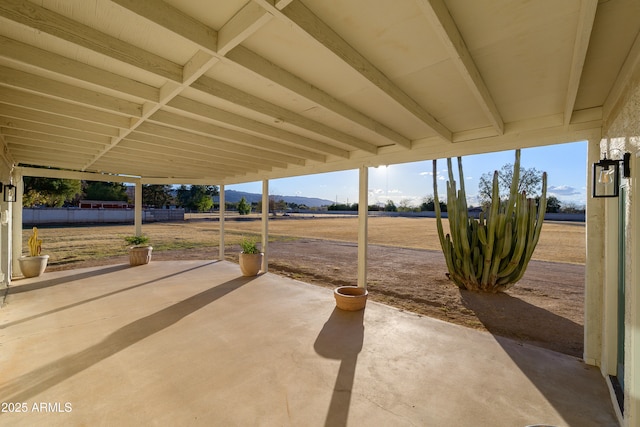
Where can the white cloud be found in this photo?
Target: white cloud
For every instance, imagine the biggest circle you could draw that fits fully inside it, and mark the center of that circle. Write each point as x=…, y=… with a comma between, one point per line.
x=563, y=190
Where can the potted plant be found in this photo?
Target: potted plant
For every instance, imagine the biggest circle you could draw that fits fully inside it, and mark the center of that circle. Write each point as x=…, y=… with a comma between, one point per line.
x=350, y=298
x=250, y=257
x=34, y=264
x=140, y=250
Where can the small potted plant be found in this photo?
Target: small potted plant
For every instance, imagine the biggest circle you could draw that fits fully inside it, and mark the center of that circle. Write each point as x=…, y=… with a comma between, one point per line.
x=34, y=264
x=140, y=250
x=250, y=257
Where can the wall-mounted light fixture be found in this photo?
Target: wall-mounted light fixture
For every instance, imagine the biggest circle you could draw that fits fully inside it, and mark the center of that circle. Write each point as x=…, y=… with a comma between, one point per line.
x=9, y=192
x=606, y=175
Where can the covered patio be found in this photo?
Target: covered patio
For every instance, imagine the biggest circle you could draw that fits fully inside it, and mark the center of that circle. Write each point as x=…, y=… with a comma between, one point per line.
x=195, y=343
x=234, y=91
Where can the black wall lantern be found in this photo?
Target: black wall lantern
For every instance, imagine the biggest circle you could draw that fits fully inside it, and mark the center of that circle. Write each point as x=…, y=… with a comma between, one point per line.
x=606, y=175
x=9, y=193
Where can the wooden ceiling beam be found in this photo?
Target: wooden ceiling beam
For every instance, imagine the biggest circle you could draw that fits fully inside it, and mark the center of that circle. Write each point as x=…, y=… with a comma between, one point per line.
x=49, y=22
x=6, y=122
x=251, y=141
x=581, y=45
x=173, y=20
x=254, y=126
x=33, y=83
x=198, y=142
x=40, y=117
x=238, y=97
x=299, y=15
x=51, y=62
x=268, y=70
x=44, y=103
x=443, y=24
x=242, y=25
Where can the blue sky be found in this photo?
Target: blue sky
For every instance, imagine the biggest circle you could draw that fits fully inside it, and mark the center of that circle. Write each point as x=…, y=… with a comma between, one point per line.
x=565, y=165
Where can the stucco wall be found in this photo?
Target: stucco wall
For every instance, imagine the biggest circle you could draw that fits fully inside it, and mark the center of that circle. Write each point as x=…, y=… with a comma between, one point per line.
x=623, y=135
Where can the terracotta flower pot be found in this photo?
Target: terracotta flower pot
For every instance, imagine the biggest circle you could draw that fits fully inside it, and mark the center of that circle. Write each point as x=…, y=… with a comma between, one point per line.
x=33, y=266
x=350, y=298
x=139, y=255
x=250, y=264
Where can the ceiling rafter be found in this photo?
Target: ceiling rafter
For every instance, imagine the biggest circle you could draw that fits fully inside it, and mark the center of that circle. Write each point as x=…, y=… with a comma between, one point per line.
x=583, y=35
x=207, y=111
x=42, y=117
x=243, y=24
x=196, y=66
x=294, y=155
x=44, y=103
x=54, y=141
x=266, y=69
x=238, y=97
x=299, y=15
x=47, y=21
x=174, y=20
x=443, y=24
x=33, y=56
x=67, y=92
x=219, y=147
x=225, y=149
x=6, y=122
x=140, y=152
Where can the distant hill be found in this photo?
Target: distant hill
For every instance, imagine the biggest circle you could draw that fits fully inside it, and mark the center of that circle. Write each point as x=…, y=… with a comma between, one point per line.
x=232, y=196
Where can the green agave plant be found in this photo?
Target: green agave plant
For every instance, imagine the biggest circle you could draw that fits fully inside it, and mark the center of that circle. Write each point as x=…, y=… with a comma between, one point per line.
x=491, y=253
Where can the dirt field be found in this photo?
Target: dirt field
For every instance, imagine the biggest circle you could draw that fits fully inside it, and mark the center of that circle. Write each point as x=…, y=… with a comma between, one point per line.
x=406, y=268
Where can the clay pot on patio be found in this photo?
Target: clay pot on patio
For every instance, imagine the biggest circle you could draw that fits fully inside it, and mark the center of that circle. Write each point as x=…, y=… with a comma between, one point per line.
x=250, y=264
x=33, y=266
x=139, y=255
x=350, y=298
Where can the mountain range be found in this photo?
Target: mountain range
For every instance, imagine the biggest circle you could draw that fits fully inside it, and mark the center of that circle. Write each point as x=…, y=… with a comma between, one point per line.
x=232, y=196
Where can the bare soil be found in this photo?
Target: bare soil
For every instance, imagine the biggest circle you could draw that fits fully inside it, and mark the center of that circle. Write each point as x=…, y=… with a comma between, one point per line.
x=545, y=308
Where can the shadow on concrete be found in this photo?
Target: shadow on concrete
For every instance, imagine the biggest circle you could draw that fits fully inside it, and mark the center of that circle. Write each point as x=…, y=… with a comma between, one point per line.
x=80, y=276
x=559, y=375
x=341, y=338
x=41, y=284
x=32, y=383
x=505, y=315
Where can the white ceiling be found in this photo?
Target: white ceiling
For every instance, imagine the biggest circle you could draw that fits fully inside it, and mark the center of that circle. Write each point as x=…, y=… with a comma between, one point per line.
x=227, y=91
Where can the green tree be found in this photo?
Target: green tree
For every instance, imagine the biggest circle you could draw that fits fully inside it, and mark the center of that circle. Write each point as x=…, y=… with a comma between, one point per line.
x=110, y=191
x=197, y=197
x=553, y=204
x=530, y=182
x=52, y=192
x=156, y=196
x=390, y=206
x=429, y=204
x=244, y=208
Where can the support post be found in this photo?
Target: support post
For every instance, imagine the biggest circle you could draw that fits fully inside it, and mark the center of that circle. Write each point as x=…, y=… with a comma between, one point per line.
x=265, y=225
x=16, y=237
x=594, y=278
x=363, y=216
x=137, y=210
x=222, y=213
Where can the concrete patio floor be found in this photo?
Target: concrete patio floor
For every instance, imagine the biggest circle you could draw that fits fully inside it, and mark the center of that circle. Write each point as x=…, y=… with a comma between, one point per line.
x=194, y=343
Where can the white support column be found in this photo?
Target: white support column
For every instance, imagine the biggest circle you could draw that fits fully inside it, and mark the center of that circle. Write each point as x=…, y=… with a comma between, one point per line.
x=222, y=213
x=16, y=225
x=265, y=225
x=594, y=278
x=137, y=212
x=5, y=237
x=363, y=216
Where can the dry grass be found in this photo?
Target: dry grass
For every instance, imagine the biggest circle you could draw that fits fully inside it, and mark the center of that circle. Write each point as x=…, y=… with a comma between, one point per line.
x=559, y=242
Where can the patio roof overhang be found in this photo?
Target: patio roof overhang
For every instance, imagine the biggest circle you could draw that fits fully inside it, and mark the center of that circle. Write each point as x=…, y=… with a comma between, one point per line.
x=235, y=91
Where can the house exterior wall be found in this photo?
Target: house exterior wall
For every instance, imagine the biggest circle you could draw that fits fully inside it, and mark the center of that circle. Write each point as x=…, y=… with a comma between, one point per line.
x=620, y=136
